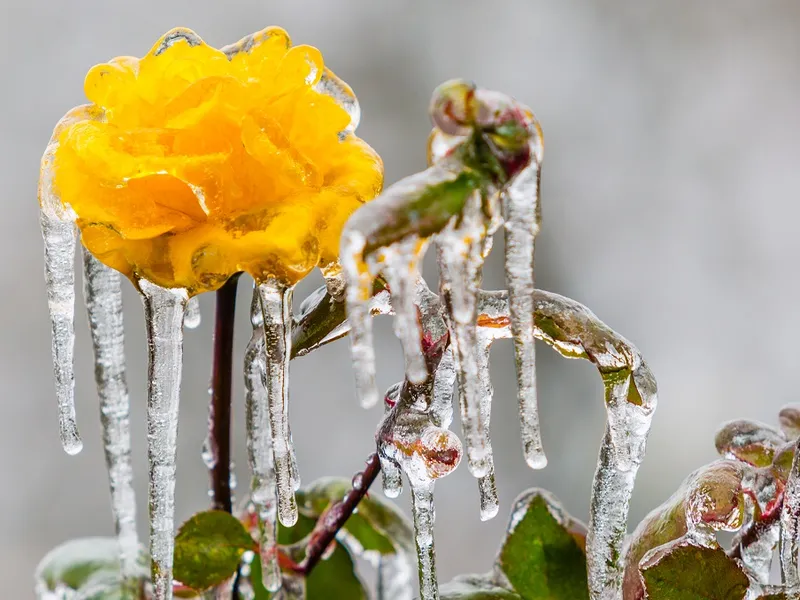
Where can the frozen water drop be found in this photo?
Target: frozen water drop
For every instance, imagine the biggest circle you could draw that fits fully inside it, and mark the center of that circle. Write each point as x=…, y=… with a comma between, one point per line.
x=276, y=304
x=192, y=316
x=208, y=455
x=490, y=505
x=164, y=309
x=103, y=296
x=392, y=478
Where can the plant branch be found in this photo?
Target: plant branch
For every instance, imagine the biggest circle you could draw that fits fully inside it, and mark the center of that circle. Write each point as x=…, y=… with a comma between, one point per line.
x=219, y=413
x=336, y=515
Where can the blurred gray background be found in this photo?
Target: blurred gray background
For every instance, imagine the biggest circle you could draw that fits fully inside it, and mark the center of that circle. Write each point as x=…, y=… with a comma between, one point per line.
x=670, y=208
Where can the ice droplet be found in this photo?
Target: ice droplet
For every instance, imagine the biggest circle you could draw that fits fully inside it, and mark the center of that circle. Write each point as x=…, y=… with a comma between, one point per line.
x=103, y=296
x=790, y=525
x=59, y=255
x=276, y=305
x=164, y=309
x=259, y=448
x=192, y=316
x=521, y=219
x=460, y=260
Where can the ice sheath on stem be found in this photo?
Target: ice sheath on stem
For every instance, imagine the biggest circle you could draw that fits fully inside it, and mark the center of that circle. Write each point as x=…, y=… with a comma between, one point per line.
x=790, y=527
x=164, y=310
x=259, y=448
x=276, y=306
x=103, y=296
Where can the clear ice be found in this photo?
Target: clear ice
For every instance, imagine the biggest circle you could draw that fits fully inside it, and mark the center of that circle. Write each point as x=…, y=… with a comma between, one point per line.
x=521, y=216
x=259, y=447
x=630, y=392
x=60, y=237
x=790, y=526
x=276, y=306
x=394, y=577
x=103, y=297
x=164, y=310
x=192, y=317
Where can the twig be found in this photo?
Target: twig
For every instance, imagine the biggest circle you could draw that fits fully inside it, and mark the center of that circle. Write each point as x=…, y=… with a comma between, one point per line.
x=334, y=518
x=219, y=413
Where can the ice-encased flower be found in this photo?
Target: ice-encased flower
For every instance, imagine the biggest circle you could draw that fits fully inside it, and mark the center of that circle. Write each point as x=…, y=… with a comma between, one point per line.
x=193, y=163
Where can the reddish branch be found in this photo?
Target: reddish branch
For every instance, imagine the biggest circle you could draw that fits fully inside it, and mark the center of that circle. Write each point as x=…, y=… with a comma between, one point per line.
x=219, y=413
x=336, y=515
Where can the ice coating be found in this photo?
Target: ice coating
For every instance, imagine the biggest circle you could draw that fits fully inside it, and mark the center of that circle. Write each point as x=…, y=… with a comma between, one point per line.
x=790, y=526
x=749, y=441
x=521, y=216
x=192, y=317
x=103, y=297
x=164, y=309
x=259, y=447
x=630, y=393
x=711, y=499
x=276, y=306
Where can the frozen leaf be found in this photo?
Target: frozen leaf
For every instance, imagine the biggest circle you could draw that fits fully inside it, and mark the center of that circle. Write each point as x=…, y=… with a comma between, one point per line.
x=377, y=525
x=208, y=549
x=749, y=441
x=685, y=571
x=91, y=567
x=543, y=553
x=476, y=587
x=710, y=500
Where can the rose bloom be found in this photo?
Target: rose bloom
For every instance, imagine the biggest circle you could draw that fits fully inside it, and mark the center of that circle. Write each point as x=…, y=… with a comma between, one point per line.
x=193, y=163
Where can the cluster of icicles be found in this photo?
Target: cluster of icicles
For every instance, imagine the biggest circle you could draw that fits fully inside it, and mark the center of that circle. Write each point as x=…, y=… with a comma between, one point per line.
x=445, y=337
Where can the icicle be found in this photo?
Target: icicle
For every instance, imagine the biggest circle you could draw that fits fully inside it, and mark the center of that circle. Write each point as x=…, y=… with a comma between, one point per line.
x=391, y=474
x=521, y=216
x=259, y=447
x=59, y=255
x=358, y=316
x=192, y=316
x=424, y=515
x=394, y=577
x=790, y=526
x=164, y=309
x=459, y=265
x=400, y=270
x=489, y=503
x=103, y=295
x=276, y=305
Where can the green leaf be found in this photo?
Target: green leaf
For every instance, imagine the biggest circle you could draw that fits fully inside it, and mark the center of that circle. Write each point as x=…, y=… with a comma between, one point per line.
x=476, y=587
x=377, y=525
x=681, y=570
x=331, y=578
x=542, y=555
x=89, y=566
x=208, y=549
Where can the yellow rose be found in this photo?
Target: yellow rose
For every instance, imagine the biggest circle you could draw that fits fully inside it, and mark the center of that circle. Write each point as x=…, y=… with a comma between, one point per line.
x=193, y=163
